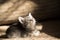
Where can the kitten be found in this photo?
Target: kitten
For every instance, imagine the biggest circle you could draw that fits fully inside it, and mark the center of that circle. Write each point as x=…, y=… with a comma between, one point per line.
x=23, y=28
x=28, y=22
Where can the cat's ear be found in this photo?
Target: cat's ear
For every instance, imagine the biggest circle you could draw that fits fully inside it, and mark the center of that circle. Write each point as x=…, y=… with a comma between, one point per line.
x=30, y=15
x=21, y=19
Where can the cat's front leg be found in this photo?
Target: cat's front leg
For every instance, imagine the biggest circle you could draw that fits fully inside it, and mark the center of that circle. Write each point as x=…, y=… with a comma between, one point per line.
x=35, y=33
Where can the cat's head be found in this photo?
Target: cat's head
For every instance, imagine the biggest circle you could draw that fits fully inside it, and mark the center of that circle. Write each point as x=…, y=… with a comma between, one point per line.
x=28, y=21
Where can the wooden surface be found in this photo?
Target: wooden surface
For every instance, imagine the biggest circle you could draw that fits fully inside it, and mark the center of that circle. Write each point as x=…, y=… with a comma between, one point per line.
x=10, y=10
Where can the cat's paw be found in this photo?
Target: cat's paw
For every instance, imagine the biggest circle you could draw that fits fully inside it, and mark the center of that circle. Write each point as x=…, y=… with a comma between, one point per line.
x=36, y=33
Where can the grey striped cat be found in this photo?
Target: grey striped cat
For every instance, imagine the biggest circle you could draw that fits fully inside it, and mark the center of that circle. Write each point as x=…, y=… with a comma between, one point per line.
x=23, y=28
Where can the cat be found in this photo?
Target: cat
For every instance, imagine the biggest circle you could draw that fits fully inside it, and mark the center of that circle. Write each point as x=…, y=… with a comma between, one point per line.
x=25, y=27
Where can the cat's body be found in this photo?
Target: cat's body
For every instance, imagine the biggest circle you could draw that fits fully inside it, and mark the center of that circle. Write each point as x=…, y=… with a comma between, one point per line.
x=15, y=31
x=23, y=28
